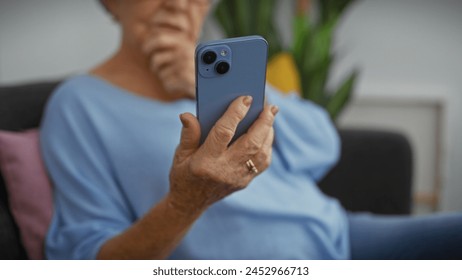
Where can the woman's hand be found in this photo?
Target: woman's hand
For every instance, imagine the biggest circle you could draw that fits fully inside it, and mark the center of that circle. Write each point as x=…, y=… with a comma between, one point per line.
x=172, y=60
x=202, y=175
x=173, y=35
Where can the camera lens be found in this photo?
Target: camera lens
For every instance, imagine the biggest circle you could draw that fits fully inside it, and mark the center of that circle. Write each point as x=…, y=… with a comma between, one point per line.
x=209, y=57
x=222, y=67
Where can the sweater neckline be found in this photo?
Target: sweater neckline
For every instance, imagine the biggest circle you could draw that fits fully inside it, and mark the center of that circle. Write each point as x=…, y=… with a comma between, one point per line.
x=133, y=96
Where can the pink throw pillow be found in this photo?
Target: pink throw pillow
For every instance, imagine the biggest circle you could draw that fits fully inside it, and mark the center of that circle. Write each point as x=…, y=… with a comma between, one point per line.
x=28, y=187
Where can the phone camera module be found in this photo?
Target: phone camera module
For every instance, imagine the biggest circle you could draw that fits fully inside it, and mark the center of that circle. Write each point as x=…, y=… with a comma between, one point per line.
x=222, y=67
x=209, y=57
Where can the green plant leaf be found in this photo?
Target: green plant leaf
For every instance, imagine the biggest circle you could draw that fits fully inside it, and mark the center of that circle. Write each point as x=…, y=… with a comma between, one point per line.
x=264, y=13
x=343, y=94
x=329, y=9
x=223, y=14
x=243, y=15
x=264, y=26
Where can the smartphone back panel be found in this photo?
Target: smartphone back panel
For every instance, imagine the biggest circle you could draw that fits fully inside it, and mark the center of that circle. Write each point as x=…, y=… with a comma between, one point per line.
x=217, y=85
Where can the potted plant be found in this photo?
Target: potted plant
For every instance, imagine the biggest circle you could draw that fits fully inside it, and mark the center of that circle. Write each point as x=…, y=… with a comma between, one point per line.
x=305, y=65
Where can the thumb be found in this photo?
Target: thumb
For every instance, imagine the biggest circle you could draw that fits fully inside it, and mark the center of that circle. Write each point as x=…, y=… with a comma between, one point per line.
x=190, y=134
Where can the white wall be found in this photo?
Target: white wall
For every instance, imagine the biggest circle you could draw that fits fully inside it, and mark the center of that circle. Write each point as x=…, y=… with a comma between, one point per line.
x=52, y=38
x=397, y=44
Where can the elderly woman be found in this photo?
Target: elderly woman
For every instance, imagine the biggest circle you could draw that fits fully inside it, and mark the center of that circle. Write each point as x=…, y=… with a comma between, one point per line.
x=132, y=182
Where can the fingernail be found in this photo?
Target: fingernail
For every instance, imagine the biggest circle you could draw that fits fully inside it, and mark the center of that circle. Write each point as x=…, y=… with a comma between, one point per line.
x=274, y=109
x=247, y=100
x=183, y=121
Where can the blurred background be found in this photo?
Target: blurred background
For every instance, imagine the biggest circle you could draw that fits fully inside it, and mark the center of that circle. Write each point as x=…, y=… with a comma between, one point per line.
x=393, y=65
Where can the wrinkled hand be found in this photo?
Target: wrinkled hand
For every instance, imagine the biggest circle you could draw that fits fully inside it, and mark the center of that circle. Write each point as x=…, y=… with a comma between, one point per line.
x=202, y=175
x=172, y=60
x=171, y=45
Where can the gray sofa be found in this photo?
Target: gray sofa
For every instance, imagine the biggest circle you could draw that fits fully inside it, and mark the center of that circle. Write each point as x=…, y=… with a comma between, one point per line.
x=374, y=172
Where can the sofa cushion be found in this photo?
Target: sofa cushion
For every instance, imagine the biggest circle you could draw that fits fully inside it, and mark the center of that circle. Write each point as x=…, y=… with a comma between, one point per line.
x=29, y=190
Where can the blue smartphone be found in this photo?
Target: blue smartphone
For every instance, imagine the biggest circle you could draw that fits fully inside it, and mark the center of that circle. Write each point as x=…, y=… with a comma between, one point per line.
x=225, y=70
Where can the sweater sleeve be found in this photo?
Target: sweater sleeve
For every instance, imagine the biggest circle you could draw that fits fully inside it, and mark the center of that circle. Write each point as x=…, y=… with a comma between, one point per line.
x=304, y=135
x=89, y=206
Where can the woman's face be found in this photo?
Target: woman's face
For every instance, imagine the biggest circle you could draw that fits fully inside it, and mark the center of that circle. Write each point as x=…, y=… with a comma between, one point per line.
x=164, y=33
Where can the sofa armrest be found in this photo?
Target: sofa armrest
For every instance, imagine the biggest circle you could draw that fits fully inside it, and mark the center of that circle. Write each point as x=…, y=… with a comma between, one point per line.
x=10, y=243
x=374, y=172
x=21, y=108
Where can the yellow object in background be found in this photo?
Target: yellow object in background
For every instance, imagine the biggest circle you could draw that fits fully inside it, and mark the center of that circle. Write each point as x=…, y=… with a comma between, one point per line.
x=282, y=73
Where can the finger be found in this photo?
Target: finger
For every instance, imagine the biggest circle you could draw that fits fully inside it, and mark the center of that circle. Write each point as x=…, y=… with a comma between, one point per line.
x=262, y=159
x=175, y=21
x=190, y=135
x=161, y=42
x=252, y=142
x=224, y=129
x=268, y=144
x=266, y=151
x=264, y=122
x=182, y=61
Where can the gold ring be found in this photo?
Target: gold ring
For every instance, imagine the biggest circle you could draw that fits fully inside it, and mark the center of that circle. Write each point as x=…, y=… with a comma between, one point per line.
x=251, y=166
